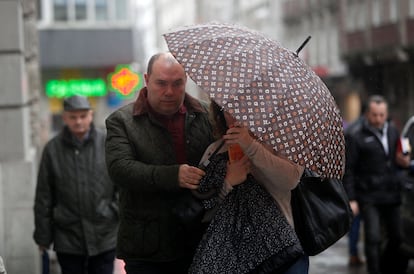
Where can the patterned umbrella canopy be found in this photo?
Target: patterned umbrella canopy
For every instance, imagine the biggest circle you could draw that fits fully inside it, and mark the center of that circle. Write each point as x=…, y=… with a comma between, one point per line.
x=268, y=88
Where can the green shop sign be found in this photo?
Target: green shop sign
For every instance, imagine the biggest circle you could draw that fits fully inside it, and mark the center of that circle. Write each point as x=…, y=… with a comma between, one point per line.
x=85, y=87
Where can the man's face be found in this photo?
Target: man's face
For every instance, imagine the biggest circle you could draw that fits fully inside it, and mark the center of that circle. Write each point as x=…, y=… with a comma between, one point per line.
x=166, y=86
x=78, y=121
x=377, y=114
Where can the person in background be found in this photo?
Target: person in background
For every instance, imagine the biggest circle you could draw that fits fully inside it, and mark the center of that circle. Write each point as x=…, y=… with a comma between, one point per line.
x=76, y=204
x=251, y=229
x=153, y=148
x=372, y=183
x=407, y=175
x=354, y=232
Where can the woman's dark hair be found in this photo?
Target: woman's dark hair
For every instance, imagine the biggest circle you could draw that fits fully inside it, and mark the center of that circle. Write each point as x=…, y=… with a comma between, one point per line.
x=218, y=120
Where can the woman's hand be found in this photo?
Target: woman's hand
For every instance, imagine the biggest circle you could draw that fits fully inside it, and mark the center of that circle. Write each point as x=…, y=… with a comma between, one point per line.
x=238, y=134
x=237, y=171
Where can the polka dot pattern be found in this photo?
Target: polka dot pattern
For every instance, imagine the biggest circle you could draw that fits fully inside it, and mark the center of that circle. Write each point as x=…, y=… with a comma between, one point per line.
x=267, y=88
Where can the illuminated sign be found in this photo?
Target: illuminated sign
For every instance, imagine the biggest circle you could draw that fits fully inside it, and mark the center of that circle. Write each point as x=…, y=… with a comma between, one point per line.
x=85, y=87
x=124, y=80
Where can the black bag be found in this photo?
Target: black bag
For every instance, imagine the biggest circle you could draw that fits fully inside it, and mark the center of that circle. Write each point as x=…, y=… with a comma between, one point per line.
x=189, y=209
x=321, y=212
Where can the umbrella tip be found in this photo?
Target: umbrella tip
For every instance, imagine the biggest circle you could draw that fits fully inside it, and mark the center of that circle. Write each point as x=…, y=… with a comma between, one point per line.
x=301, y=46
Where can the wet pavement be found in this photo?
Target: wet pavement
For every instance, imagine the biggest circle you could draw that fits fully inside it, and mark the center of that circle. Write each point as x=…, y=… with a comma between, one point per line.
x=334, y=260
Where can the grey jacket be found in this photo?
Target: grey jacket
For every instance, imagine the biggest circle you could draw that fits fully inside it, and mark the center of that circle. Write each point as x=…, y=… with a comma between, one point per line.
x=76, y=206
x=141, y=161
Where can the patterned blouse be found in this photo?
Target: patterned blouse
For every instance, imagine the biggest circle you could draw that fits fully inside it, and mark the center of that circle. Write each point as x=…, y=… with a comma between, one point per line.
x=248, y=233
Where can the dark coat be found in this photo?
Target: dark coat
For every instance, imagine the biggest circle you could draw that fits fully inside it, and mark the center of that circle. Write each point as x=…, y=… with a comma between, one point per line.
x=407, y=206
x=371, y=175
x=76, y=203
x=141, y=161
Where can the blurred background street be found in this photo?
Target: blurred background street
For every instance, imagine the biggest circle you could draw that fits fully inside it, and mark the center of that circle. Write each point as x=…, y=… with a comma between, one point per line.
x=51, y=49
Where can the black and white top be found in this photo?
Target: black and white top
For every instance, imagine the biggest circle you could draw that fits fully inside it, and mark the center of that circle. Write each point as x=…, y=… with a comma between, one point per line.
x=248, y=233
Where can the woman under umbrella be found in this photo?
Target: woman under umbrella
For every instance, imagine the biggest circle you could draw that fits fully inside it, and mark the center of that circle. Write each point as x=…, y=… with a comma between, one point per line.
x=251, y=228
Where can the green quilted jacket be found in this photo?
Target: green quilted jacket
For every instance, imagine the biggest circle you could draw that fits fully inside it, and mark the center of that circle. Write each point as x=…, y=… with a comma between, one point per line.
x=76, y=205
x=141, y=161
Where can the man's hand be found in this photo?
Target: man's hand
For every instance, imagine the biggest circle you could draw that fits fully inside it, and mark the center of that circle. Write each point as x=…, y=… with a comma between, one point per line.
x=43, y=248
x=354, y=207
x=189, y=176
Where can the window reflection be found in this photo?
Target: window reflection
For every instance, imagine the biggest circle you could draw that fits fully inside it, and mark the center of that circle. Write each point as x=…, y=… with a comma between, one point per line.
x=101, y=7
x=60, y=8
x=80, y=9
x=91, y=10
x=121, y=8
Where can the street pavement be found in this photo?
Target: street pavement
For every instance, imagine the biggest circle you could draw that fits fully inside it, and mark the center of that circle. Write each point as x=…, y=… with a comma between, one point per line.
x=334, y=260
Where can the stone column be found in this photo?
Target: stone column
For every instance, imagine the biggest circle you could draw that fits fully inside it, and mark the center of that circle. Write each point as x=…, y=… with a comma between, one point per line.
x=19, y=93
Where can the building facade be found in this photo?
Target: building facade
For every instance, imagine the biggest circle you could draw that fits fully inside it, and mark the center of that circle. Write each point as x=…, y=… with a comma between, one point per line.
x=378, y=47
x=90, y=47
x=359, y=48
x=19, y=134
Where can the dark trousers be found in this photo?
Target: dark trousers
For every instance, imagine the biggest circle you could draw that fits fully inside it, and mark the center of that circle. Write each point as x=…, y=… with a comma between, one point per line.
x=353, y=235
x=382, y=247
x=301, y=266
x=76, y=264
x=140, y=267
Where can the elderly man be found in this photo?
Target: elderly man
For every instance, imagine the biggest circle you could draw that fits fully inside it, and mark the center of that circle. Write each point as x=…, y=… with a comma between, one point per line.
x=76, y=206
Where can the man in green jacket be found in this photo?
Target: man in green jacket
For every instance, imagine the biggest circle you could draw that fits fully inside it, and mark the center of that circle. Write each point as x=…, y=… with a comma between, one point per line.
x=76, y=204
x=153, y=147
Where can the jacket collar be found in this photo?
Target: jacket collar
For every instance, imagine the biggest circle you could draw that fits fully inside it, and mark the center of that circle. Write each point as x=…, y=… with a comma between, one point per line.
x=373, y=130
x=141, y=104
x=68, y=138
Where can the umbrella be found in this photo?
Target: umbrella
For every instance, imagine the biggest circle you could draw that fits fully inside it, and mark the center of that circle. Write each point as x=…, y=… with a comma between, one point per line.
x=268, y=88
